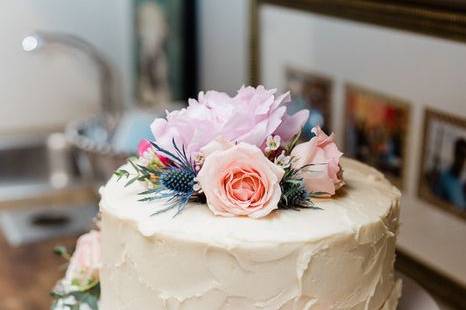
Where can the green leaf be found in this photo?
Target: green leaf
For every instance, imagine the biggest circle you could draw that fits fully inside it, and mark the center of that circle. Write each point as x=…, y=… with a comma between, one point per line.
x=131, y=181
x=293, y=142
x=133, y=164
x=147, y=199
x=61, y=251
x=149, y=191
x=121, y=173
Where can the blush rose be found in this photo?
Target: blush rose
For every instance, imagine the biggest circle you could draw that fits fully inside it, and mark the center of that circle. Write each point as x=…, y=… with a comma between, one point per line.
x=85, y=263
x=323, y=176
x=238, y=180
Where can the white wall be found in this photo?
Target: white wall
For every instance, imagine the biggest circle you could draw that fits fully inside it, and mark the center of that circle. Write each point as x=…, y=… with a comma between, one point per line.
x=39, y=91
x=223, y=35
x=47, y=89
x=424, y=71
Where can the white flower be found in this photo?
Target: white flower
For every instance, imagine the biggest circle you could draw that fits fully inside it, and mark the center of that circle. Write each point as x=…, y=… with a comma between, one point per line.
x=199, y=160
x=197, y=186
x=272, y=143
x=147, y=157
x=282, y=160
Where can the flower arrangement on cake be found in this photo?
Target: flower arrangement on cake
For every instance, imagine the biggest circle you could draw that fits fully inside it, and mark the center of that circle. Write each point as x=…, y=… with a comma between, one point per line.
x=240, y=155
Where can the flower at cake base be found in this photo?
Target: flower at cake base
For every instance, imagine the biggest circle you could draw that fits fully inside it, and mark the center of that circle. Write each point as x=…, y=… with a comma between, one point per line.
x=84, y=266
x=238, y=180
x=323, y=175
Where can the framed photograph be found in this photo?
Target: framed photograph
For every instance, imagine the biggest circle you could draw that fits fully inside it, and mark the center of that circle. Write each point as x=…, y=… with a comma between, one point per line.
x=442, y=178
x=400, y=52
x=376, y=131
x=310, y=91
x=443, y=19
x=165, y=62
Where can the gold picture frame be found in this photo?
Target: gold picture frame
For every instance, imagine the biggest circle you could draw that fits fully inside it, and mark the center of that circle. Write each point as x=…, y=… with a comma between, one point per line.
x=438, y=19
x=443, y=19
x=427, y=173
x=398, y=107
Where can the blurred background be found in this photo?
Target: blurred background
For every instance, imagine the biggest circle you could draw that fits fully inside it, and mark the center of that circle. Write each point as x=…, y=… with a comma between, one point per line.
x=81, y=81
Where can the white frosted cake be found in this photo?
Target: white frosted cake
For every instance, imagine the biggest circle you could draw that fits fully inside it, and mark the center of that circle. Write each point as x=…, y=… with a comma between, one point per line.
x=340, y=257
x=229, y=209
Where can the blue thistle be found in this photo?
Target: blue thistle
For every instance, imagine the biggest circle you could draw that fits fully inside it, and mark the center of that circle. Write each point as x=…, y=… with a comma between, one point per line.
x=294, y=193
x=297, y=195
x=175, y=182
x=178, y=180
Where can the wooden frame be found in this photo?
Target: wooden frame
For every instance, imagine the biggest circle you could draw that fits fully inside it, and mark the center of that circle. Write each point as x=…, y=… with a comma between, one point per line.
x=182, y=64
x=396, y=102
x=422, y=191
x=444, y=19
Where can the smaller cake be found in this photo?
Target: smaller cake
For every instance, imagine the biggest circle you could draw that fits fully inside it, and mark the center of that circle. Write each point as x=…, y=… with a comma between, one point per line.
x=228, y=209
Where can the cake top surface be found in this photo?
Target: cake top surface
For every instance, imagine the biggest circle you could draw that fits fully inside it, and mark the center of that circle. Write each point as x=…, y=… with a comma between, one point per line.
x=367, y=199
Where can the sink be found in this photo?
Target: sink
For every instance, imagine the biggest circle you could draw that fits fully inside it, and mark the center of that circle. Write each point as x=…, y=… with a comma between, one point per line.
x=34, y=172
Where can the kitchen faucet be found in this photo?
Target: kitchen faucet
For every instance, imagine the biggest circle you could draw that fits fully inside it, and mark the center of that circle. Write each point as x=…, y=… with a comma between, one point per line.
x=40, y=39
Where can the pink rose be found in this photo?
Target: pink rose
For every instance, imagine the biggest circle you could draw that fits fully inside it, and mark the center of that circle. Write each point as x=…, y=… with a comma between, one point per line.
x=323, y=177
x=240, y=180
x=143, y=146
x=148, y=155
x=85, y=263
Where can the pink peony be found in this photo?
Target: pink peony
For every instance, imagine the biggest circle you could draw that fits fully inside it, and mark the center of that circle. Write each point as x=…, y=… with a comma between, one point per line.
x=195, y=126
x=83, y=270
x=251, y=116
x=291, y=125
x=323, y=177
x=239, y=180
x=256, y=115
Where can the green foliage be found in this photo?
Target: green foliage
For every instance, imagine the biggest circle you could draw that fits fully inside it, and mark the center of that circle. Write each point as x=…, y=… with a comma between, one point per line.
x=61, y=251
x=74, y=299
x=294, y=193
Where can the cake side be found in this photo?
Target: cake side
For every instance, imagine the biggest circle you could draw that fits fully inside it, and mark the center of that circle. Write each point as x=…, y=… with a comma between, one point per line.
x=340, y=257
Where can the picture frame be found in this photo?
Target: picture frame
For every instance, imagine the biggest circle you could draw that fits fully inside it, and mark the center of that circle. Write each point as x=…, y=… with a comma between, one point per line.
x=165, y=64
x=324, y=41
x=312, y=91
x=443, y=19
x=378, y=137
x=444, y=135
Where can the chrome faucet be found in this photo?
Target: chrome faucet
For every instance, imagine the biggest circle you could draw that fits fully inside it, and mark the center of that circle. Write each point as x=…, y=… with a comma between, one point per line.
x=40, y=39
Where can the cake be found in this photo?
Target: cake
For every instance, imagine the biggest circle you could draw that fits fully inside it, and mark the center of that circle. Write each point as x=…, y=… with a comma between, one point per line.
x=225, y=209
x=340, y=257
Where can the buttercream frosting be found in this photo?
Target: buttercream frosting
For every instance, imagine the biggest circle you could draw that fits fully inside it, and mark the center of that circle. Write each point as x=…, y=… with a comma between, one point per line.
x=338, y=257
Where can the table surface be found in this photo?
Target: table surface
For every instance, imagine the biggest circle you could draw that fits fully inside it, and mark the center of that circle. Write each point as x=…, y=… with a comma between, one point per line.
x=27, y=273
